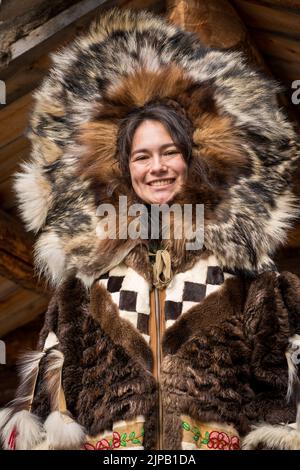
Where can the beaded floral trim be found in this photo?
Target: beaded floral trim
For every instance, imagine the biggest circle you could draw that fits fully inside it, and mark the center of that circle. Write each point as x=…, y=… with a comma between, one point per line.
x=130, y=436
x=202, y=436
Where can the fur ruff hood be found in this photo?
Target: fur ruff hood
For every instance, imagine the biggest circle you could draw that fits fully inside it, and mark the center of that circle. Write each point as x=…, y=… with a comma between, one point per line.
x=244, y=149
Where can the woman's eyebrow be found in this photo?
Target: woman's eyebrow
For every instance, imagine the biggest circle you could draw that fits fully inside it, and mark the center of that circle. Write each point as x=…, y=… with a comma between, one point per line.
x=163, y=147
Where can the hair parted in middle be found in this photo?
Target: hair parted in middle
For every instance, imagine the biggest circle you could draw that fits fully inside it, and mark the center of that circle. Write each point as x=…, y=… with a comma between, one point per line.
x=170, y=114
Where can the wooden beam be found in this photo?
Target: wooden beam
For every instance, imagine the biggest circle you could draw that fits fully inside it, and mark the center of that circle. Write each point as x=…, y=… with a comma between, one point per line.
x=16, y=262
x=216, y=23
x=7, y=287
x=51, y=27
x=14, y=239
x=284, y=4
x=18, y=21
x=276, y=45
x=26, y=72
x=12, y=155
x=14, y=119
x=268, y=18
x=285, y=70
x=19, y=309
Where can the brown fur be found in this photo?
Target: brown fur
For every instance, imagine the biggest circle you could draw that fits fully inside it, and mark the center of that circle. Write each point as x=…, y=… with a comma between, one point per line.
x=119, y=329
x=197, y=365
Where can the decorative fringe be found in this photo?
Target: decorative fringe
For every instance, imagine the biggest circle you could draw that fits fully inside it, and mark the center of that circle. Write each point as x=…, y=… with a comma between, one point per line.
x=63, y=432
x=293, y=391
x=22, y=431
x=61, y=429
x=293, y=379
x=28, y=372
x=19, y=429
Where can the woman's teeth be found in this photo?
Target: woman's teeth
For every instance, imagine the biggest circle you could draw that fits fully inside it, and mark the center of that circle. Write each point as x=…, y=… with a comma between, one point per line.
x=161, y=182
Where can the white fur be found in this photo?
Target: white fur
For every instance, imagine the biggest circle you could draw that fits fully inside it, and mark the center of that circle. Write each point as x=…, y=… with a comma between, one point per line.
x=55, y=360
x=273, y=437
x=50, y=256
x=63, y=432
x=34, y=196
x=28, y=427
x=29, y=363
x=51, y=341
x=5, y=414
x=282, y=217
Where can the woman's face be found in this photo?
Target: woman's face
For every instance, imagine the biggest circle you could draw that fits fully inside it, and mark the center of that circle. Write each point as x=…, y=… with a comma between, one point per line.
x=157, y=167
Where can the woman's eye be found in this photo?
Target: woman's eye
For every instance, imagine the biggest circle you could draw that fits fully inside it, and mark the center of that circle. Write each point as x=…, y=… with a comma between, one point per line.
x=140, y=157
x=172, y=152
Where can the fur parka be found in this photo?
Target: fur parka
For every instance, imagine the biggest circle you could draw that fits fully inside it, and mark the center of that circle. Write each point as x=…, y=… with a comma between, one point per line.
x=228, y=353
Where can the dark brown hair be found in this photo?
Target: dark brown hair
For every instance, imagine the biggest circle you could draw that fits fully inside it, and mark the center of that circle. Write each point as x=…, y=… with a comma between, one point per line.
x=172, y=117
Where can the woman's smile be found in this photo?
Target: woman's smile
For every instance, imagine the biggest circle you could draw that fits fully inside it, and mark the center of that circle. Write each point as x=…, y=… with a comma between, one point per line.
x=162, y=183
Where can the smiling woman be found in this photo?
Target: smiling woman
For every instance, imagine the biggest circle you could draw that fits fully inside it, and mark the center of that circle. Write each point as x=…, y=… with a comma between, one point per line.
x=155, y=145
x=193, y=350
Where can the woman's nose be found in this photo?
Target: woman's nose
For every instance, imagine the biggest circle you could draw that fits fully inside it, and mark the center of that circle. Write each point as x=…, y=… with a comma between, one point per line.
x=157, y=165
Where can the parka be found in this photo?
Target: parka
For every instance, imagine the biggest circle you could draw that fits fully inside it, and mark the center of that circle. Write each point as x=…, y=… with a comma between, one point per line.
x=172, y=349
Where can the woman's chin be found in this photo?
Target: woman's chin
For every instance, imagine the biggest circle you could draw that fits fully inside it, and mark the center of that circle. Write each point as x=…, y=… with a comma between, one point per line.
x=162, y=199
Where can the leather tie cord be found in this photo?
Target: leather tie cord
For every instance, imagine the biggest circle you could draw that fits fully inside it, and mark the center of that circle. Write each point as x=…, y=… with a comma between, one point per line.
x=162, y=272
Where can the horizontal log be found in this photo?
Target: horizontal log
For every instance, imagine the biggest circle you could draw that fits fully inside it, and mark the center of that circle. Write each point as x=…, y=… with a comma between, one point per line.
x=275, y=45
x=18, y=25
x=12, y=155
x=16, y=261
x=19, y=309
x=7, y=287
x=284, y=4
x=14, y=239
x=8, y=201
x=14, y=119
x=51, y=27
x=25, y=73
x=23, y=76
x=19, y=272
x=216, y=23
x=285, y=70
x=31, y=12
x=264, y=17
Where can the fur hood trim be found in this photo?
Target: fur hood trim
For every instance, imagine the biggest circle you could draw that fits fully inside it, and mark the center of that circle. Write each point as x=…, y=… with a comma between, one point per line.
x=243, y=157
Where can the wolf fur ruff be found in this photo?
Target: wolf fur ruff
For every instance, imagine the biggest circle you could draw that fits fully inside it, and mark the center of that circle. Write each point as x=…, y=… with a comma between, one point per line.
x=244, y=149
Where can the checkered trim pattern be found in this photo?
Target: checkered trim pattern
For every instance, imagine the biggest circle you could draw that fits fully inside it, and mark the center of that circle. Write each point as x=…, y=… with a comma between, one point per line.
x=191, y=287
x=131, y=293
